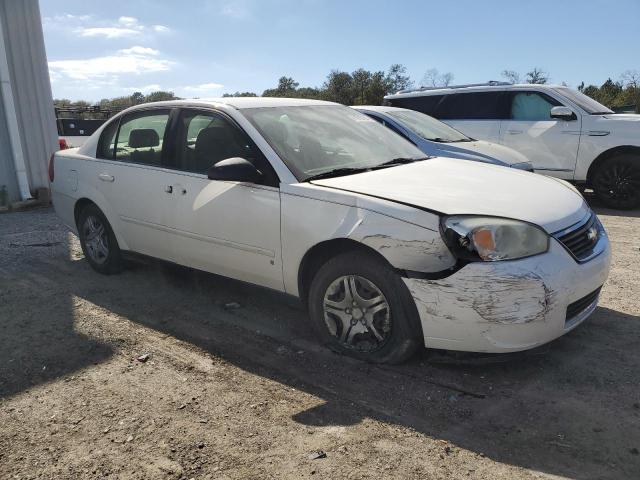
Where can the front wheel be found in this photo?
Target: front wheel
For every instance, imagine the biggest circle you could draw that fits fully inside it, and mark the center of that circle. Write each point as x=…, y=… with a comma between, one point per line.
x=360, y=307
x=617, y=182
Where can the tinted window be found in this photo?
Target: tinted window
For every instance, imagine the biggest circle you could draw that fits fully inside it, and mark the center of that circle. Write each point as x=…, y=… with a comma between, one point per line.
x=206, y=138
x=532, y=106
x=107, y=142
x=425, y=104
x=472, y=106
x=141, y=136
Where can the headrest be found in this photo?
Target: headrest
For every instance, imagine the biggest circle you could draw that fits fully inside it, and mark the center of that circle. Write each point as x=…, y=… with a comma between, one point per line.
x=212, y=138
x=143, y=137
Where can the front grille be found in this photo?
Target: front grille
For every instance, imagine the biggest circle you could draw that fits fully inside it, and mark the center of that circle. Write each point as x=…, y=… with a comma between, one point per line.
x=579, y=306
x=581, y=238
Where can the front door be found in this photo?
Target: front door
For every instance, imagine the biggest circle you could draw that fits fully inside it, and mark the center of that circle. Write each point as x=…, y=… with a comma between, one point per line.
x=550, y=144
x=228, y=228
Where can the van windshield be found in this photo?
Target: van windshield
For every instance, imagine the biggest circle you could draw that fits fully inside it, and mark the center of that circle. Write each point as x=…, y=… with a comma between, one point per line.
x=586, y=103
x=428, y=127
x=314, y=140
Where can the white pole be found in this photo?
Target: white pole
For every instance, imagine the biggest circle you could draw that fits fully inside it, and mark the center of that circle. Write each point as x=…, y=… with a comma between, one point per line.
x=12, y=121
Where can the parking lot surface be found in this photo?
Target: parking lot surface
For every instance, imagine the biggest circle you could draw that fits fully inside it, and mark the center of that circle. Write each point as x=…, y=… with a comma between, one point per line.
x=163, y=372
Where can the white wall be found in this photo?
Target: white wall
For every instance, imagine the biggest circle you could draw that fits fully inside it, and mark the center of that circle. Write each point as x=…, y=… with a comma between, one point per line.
x=27, y=84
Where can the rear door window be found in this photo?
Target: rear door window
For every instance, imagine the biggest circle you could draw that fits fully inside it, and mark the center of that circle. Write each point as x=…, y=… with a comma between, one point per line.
x=473, y=106
x=107, y=142
x=425, y=104
x=532, y=106
x=141, y=137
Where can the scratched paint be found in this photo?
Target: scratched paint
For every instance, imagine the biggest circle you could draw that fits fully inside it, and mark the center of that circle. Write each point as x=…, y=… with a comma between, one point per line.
x=497, y=297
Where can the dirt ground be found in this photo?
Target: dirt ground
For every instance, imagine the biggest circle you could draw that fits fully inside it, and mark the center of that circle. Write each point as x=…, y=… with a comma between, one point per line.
x=245, y=392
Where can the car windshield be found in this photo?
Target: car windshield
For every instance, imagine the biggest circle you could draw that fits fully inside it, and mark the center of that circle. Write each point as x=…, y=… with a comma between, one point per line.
x=586, y=103
x=314, y=140
x=428, y=127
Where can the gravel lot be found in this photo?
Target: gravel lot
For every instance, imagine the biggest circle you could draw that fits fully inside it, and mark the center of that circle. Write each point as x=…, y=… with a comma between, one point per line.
x=245, y=392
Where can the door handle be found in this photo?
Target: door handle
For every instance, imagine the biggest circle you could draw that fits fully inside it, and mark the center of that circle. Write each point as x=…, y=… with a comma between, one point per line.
x=168, y=189
x=515, y=132
x=105, y=177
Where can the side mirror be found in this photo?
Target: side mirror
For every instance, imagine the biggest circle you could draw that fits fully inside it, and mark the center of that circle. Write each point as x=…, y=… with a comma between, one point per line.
x=235, y=169
x=563, y=113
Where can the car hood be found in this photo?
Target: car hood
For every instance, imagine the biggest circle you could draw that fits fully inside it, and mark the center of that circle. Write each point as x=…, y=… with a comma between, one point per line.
x=482, y=151
x=626, y=117
x=448, y=186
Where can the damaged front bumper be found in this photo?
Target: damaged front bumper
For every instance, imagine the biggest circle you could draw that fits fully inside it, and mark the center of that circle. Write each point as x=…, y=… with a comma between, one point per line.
x=512, y=305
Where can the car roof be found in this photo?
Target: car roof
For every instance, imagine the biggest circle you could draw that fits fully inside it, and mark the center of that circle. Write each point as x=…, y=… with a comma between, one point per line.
x=237, y=103
x=471, y=88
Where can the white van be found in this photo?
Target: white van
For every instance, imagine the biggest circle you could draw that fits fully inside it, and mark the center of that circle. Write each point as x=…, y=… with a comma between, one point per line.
x=562, y=132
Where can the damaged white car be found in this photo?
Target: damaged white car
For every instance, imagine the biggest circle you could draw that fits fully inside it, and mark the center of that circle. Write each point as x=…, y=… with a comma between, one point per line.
x=389, y=249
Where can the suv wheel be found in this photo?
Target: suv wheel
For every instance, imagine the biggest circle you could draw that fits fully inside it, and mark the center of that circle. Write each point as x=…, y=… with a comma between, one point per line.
x=360, y=307
x=98, y=241
x=617, y=182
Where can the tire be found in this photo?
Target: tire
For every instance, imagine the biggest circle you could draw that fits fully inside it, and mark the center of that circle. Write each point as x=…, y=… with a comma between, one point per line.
x=98, y=241
x=361, y=325
x=617, y=182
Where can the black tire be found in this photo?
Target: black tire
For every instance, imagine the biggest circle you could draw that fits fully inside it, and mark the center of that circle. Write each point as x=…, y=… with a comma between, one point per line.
x=400, y=330
x=109, y=260
x=617, y=182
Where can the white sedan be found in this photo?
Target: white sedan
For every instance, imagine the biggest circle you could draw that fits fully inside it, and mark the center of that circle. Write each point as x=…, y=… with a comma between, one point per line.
x=389, y=249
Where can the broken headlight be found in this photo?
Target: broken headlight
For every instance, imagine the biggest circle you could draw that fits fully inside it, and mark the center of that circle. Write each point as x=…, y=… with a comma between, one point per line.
x=491, y=239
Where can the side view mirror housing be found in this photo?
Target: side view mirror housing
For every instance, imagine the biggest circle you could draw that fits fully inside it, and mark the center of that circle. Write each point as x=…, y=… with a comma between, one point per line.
x=235, y=169
x=563, y=113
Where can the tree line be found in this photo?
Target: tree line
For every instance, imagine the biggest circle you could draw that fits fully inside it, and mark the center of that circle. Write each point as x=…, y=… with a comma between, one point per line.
x=365, y=87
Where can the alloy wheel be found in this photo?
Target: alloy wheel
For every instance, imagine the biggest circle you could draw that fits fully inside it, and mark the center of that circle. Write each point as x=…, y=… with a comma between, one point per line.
x=357, y=313
x=96, y=239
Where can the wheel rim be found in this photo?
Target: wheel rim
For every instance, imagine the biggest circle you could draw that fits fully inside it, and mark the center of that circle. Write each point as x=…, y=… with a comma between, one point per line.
x=619, y=182
x=96, y=240
x=357, y=313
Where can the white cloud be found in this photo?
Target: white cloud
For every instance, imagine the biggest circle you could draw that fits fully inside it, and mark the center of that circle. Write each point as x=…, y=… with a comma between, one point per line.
x=161, y=29
x=135, y=60
x=203, y=87
x=138, y=50
x=154, y=87
x=107, y=32
x=128, y=21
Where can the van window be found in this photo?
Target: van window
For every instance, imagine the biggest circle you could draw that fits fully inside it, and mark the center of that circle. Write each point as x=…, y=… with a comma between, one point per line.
x=425, y=104
x=472, y=106
x=140, y=137
x=532, y=106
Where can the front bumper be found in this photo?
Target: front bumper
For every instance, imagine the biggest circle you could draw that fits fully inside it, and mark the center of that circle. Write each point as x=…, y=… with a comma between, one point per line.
x=508, y=306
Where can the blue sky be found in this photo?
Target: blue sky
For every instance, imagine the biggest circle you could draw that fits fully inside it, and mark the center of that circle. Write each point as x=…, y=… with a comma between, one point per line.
x=197, y=48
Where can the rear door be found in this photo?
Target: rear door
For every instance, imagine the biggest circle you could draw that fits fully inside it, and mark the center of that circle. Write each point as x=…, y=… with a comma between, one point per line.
x=550, y=144
x=476, y=114
x=224, y=227
x=132, y=177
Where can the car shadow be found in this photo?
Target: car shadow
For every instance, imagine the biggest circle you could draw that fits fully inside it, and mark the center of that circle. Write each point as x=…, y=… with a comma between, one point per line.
x=558, y=413
x=38, y=338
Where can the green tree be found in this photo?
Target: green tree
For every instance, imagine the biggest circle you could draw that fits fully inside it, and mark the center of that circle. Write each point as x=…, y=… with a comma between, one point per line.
x=160, y=96
x=137, y=98
x=537, y=76
x=397, y=79
x=338, y=87
x=240, y=94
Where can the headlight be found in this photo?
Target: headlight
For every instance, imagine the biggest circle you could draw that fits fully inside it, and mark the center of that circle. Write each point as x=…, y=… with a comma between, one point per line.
x=491, y=239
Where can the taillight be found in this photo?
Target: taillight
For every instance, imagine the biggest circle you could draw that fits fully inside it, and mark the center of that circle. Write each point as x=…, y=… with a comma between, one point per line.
x=63, y=144
x=51, y=161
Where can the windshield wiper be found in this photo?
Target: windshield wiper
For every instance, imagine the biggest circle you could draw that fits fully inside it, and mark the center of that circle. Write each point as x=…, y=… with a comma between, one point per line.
x=399, y=161
x=337, y=172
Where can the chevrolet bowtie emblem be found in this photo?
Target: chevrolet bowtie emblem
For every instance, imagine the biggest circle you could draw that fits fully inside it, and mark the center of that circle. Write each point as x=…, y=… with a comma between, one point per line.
x=592, y=234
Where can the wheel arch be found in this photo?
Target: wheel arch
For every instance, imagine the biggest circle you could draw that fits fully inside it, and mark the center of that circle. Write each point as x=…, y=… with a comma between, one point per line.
x=82, y=202
x=318, y=254
x=608, y=154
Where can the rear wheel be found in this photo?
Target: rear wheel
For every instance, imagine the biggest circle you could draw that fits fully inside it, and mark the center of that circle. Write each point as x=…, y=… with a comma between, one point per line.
x=98, y=241
x=617, y=182
x=360, y=307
